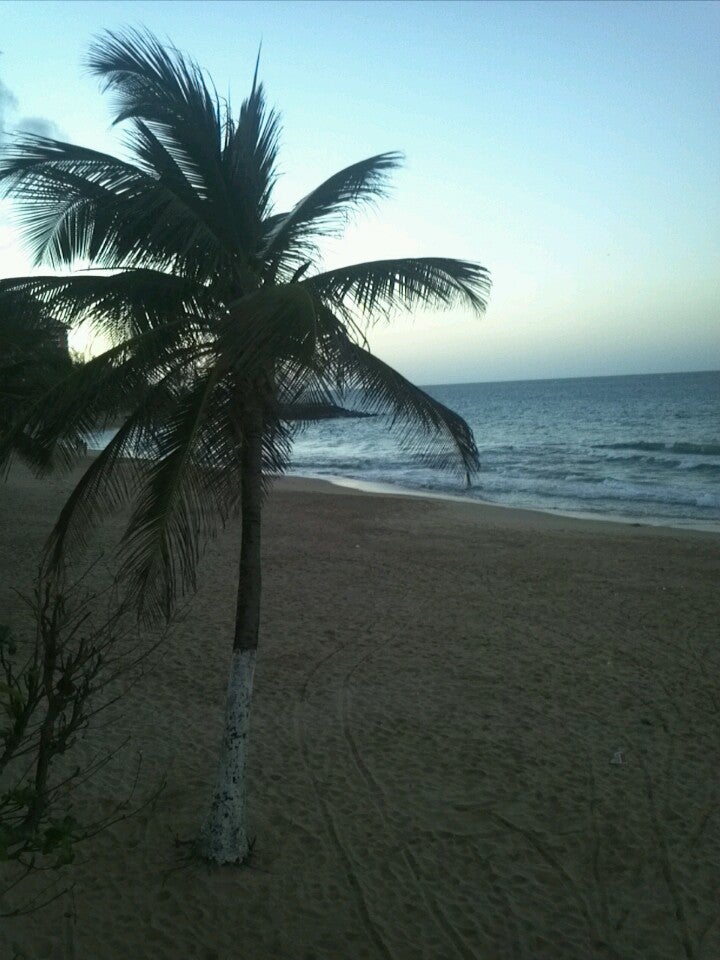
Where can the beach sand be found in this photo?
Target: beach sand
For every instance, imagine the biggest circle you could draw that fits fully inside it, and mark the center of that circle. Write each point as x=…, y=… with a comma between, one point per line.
x=441, y=688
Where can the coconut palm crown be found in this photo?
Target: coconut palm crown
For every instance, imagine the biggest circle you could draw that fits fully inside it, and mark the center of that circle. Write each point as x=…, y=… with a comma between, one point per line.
x=218, y=315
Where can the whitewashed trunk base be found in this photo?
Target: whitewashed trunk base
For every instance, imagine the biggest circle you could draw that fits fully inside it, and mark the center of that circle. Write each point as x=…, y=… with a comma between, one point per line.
x=223, y=838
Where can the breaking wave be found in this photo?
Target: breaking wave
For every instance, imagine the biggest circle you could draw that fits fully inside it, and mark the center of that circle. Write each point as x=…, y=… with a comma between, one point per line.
x=711, y=449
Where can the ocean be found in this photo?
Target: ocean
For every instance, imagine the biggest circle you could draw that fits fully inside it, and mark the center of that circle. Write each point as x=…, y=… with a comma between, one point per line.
x=642, y=449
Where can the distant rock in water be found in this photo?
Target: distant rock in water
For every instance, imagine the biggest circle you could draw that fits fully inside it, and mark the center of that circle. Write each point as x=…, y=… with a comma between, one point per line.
x=320, y=411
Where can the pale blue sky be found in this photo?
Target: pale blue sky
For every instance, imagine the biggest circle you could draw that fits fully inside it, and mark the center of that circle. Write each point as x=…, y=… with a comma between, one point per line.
x=572, y=148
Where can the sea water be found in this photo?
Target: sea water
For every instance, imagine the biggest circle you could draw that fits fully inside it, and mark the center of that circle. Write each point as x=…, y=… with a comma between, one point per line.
x=639, y=448
x=642, y=449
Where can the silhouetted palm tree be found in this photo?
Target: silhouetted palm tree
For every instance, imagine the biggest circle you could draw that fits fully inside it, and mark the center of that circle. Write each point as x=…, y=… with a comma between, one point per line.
x=218, y=319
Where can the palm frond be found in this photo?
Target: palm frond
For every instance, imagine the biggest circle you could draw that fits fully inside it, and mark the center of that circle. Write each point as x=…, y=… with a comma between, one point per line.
x=162, y=88
x=25, y=324
x=73, y=204
x=437, y=436
x=182, y=129
x=214, y=215
x=119, y=305
x=249, y=162
x=112, y=477
x=191, y=488
x=326, y=210
x=58, y=188
x=273, y=325
x=382, y=286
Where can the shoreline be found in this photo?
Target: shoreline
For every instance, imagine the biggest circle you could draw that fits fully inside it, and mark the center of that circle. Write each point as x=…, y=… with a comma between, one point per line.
x=373, y=488
x=397, y=490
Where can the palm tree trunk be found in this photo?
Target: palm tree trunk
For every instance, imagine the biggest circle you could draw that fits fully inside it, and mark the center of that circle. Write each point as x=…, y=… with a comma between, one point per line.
x=224, y=838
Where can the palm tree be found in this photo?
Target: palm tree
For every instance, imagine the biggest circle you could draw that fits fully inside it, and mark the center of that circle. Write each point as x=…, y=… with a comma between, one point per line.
x=219, y=318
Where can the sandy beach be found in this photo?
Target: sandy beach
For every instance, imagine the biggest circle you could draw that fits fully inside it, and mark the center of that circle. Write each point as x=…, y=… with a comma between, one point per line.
x=441, y=689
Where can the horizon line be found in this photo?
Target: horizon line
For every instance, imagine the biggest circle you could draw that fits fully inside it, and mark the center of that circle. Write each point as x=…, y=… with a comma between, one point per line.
x=592, y=376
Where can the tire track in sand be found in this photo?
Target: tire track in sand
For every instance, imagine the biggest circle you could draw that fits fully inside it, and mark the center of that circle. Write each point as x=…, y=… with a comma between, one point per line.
x=372, y=929
x=377, y=796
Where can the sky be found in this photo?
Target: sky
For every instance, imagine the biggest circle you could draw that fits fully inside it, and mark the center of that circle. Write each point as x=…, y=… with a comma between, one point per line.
x=570, y=148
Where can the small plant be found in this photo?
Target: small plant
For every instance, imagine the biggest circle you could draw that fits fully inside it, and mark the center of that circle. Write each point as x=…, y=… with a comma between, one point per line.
x=75, y=663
